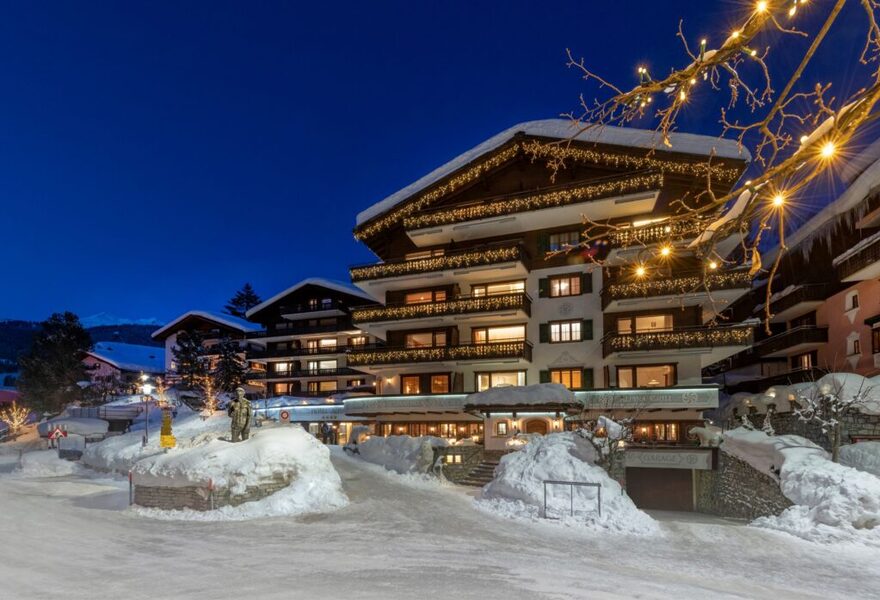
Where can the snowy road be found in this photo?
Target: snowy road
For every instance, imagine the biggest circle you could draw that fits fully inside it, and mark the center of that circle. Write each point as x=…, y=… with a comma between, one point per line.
x=395, y=540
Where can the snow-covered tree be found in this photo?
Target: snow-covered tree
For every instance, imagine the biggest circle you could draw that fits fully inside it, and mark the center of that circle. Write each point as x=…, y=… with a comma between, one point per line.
x=53, y=368
x=767, y=427
x=210, y=394
x=243, y=300
x=231, y=368
x=189, y=357
x=15, y=416
x=827, y=403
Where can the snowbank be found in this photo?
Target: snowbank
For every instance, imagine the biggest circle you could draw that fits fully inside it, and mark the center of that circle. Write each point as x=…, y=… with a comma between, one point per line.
x=833, y=502
x=401, y=453
x=864, y=456
x=518, y=488
x=539, y=393
x=45, y=463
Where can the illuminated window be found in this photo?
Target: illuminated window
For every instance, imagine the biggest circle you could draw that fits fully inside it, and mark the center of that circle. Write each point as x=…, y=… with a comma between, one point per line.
x=570, y=378
x=645, y=323
x=497, y=289
x=282, y=368
x=565, y=331
x=359, y=340
x=500, y=379
x=439, y=384
x=646, y=376
x=410, y=384
x=492, y=335
x=559, y=241
x=425, y=296
x=322, y=386
x=567, y=285
x=501, y=428
x=321, y=365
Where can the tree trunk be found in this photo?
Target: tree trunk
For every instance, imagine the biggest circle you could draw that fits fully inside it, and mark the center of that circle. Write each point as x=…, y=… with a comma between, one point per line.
x=835, y=442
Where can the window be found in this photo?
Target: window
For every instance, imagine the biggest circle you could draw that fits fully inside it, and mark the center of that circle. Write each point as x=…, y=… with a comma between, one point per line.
x=493, y=335
x=856, y=346
x=425, y=339
x=359, y=340
x=409, y=384
x=501, y=428
x=567, y=285
x=570, y=378
x=425, y=254
x=803, y=361
x=645, y=323
x=439, y=384
x=497, y=289
x=321, y=365
x=283, y=368
x=355, y=382
x=646, y=376
x=322, y=386
x=425, y=296
x=875, y=341
x=559, y=241
x=500, y=379
x=852, y=301
x=565, y=331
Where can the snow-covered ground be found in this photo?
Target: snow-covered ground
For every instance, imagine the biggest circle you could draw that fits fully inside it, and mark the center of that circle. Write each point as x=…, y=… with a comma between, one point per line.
x=397, y=538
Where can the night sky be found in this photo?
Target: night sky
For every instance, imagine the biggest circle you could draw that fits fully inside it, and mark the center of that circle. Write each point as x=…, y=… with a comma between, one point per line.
x=155, y=156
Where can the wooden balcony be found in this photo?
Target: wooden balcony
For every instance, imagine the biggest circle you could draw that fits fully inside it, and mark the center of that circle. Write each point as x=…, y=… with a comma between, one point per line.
x=462, y=305
x=861, y=263
x=799, y=301
x=369, y=356
x=794, y=341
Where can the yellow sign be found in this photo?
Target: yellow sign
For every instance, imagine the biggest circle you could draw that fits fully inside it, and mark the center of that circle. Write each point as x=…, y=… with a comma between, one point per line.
x=167, y=441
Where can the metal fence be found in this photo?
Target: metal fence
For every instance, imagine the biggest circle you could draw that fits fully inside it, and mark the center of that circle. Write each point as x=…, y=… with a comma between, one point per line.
x=571, y=485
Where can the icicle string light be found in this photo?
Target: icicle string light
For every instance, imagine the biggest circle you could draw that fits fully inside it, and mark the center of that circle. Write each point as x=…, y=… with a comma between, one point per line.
x=457, y=306
x=474, y=258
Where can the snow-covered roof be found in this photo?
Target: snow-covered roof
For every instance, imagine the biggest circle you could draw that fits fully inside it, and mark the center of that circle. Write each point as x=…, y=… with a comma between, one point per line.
x=525, y=395
x=130, y=357
x=331, y=284
x=216, y=317
x=685, y=143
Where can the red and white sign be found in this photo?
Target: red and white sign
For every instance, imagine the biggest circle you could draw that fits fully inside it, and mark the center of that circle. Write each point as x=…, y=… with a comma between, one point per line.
x=285, y=416
x=57, y=433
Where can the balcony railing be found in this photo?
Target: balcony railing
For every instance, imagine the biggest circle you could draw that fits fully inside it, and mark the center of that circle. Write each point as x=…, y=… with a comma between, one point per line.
x=805, y=334
x=337, y=372
x=305, y=308
x=461, y=259
x=679, y=338
x=293, y=352
x=684, y=283
x=303, y=330
x=858, y=260
x=816, y=292
x=792, y=377
x=391, y=355
x=606, y=187
x=656, y=232
x=459, y=306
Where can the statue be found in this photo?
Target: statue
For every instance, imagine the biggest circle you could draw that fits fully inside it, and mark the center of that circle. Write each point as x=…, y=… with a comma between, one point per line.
x=240, y=411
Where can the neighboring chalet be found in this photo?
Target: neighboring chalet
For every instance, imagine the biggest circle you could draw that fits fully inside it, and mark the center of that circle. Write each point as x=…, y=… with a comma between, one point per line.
x=306, y=332
x=212, y=327
x=472, y=300
x=825, y=298
x=124, y=363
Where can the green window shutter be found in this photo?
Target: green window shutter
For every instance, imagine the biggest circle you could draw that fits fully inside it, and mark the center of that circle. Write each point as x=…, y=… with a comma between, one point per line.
x=587, y=329
x=544, y=333
x=543, y=243
x=586, y=283
x=544, y=376
x=587, y=381
x=543, y=288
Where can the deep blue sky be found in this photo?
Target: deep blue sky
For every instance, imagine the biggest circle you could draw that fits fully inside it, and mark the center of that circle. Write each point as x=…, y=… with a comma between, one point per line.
x=155, y=156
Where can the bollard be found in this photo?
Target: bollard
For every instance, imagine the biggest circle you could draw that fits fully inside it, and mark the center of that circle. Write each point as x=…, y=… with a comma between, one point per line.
x=130, y=490
x=211, y=493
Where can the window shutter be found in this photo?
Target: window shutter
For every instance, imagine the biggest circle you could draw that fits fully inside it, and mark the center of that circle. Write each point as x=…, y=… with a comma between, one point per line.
x=544, y=376
x=587, y=329
x=543, y=243
x=543, y=288
x=586, y=283
x=544, y=333
x=587, y=379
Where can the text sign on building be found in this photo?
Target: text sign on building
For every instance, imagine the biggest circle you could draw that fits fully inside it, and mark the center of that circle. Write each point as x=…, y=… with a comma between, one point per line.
x=669, y=459
x=405, y=404
x=697, y=398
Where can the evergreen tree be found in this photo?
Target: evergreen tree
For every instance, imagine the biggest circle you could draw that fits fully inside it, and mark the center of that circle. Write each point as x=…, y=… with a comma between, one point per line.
x=231, y=367
x=53, y=368
x=243, y=300
x=189, y=358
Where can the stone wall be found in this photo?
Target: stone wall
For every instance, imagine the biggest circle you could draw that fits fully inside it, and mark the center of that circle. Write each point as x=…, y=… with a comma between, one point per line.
x=203, y=498
x=459, y=461
x=855, y=425
x=736, y=489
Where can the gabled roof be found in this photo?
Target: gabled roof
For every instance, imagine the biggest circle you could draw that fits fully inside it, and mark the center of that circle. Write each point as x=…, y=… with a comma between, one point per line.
x=215, y=317
x=685, y=143
x=330, y=284
x=130, y=357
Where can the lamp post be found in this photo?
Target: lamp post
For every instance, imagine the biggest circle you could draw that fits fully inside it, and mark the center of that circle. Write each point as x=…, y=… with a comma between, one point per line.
x=146, y=389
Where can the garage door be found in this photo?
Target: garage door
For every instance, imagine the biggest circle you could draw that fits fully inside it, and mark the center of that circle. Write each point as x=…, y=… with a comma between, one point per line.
x=660, y=489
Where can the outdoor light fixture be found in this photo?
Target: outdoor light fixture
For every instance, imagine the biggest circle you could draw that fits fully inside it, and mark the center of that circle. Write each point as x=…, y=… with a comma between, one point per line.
x=828, y=149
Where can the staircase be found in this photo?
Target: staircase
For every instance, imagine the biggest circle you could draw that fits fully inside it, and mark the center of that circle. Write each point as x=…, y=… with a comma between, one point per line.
x=484, y=472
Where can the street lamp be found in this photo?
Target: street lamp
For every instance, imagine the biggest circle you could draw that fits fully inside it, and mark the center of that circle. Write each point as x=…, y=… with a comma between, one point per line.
x=146, y=389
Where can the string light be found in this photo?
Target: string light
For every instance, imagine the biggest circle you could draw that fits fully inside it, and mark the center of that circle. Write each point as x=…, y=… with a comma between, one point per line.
x=655, y=233
x=761, y=6
x=640, y=271
x=433, y=309
x=518, y=349
x=713, y=265
x=437, y=263
x=778, y=200
x=665, y=251
x=705, y=337
x=673, y=286
x=828, y=149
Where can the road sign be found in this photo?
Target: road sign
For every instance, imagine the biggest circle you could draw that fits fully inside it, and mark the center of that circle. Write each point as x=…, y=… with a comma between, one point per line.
x=57, y=433
x=285, y=416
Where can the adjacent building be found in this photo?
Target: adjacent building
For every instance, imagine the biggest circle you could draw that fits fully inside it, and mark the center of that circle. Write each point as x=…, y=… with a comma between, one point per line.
x=123, y=364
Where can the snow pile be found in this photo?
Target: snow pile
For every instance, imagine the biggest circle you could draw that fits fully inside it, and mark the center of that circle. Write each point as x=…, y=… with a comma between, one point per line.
x=45, y=463
x=518, y=488
x=864, y=456
x=271, y=451
x=539, y=393
x=401, y=453
x=119, y=453
x=833, y=502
